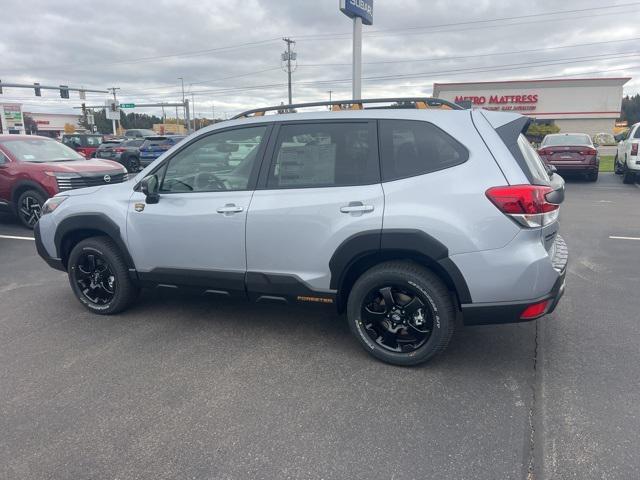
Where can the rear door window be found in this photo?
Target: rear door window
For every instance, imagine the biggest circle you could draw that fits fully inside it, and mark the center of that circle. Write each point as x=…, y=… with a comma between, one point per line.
x=324, y=154
x=410, y=147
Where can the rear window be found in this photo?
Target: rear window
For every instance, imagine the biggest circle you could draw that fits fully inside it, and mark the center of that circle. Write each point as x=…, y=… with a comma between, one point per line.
x=409, y=148
x=133, y=143
x=561, y=140
x=533, y=161
x=154, y=142
x=637, y=134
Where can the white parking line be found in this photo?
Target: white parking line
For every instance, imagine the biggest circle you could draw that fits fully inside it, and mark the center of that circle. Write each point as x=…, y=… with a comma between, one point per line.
x=13, y=237
x=623, y=238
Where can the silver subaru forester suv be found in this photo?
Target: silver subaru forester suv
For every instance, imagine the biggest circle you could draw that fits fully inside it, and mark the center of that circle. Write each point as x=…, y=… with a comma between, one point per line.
x=411, y=218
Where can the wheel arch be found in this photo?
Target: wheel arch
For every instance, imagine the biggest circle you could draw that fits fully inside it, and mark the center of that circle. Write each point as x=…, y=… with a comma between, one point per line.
x=24, y=185
x=76, y=228
x=363, y=251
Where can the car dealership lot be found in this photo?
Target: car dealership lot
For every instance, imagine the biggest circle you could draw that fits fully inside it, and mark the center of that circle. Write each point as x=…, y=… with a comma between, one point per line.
x=192, y=387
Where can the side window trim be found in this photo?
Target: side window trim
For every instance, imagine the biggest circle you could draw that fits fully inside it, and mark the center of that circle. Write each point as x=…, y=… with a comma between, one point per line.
x=270, y=154
x=260, y=156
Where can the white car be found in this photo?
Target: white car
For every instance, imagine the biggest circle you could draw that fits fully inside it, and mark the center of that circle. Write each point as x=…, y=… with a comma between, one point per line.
x=627, y=161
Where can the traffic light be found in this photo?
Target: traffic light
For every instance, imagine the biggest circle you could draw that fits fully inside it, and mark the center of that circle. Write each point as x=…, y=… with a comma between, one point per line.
x=64, y=91
x=84, y=110
x=36, y=87
x=114, y=106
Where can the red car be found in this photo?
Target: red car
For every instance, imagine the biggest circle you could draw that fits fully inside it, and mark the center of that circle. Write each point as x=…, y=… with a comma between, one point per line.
x=84, y=143
x=571, y=153
x=34, y=168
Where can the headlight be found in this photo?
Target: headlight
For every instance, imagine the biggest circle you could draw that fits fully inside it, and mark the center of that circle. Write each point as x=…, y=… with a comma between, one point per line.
x=51, y=204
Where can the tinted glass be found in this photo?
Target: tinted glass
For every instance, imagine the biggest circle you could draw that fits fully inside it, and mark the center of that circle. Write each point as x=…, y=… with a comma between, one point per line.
x=637, y=134
x=324, y=155
x=40, y=150
x=534, y=162
x=133, y=143
x=93, y=141
x=409, y=148
x=215, y=162
x=554, y=140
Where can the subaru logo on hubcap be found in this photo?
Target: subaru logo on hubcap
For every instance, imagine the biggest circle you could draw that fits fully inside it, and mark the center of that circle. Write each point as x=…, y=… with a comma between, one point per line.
x=107, y=178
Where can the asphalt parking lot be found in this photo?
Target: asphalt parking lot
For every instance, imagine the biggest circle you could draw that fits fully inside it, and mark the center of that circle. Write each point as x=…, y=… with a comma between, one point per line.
x=191, y=387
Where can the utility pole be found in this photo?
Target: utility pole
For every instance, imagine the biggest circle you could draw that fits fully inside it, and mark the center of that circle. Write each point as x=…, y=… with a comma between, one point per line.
x=113, y=122
x=287, y=56
x=193, y=109
x=330, y=92
x=185, y=110
x=213, y=114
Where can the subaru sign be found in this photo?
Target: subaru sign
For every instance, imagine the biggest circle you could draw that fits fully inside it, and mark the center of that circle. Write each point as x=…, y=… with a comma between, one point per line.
x=358, y=8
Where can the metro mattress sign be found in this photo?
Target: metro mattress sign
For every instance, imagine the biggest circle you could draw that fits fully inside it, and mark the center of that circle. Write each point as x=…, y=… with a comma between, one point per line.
x=358, y=8
x=525, y=102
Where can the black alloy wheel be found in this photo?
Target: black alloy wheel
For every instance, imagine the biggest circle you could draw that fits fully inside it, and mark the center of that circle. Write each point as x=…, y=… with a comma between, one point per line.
x=396, y=318
x=95, y=278
x=401, y=312
x=99, y=276
x=29, y=208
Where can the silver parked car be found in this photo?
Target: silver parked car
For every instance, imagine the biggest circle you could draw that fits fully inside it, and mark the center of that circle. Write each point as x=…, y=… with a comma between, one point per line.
x=404, y=218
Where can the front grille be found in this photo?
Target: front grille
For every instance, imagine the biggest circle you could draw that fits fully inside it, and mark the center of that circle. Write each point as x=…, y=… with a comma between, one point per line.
x=93, y=180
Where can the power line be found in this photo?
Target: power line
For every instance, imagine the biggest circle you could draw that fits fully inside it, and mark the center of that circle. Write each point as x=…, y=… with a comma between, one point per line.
x=465, y=57
x=474, y=22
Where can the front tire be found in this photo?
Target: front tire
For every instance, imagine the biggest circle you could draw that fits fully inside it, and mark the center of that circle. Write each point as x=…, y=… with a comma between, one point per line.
x=401, y=313
x=617, y=168
x=99, y=276
x=29, y=207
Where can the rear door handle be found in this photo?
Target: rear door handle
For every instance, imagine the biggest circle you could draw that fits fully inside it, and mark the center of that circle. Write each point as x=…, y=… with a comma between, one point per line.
x=229, y=208
x=357, y=208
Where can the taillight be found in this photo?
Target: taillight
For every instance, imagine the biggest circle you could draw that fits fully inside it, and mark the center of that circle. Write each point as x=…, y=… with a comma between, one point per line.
x=535, y=310
x=525, y=204
x=589, y=151
x=119, y=150
x=544, y=152
x=634, y=149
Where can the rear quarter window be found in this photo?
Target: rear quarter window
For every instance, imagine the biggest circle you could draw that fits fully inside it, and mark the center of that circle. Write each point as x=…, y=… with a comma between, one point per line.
x=411, y=147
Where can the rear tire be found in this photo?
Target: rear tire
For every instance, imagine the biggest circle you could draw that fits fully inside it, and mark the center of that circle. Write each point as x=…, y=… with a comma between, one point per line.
x=629, y=177
x=401, y=313
x=592, y=177
x=29, y=207
x=99, y=276
x=132, y=164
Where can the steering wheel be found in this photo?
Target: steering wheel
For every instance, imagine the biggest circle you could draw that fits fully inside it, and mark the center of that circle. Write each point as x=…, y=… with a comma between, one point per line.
x=209, y=180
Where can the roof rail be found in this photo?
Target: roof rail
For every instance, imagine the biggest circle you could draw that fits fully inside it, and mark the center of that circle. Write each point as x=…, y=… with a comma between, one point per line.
x=337, y=105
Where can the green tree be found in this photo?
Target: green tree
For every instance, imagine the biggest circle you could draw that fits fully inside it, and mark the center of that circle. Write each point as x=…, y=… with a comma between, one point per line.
x=631, y=109
x=537, y=131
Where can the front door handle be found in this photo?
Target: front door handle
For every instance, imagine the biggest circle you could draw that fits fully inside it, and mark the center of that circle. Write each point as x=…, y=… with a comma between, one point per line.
x=357, y=208
x=229, y=208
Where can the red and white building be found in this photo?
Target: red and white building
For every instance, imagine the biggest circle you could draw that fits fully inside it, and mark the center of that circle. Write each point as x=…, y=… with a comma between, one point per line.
x=588, y=105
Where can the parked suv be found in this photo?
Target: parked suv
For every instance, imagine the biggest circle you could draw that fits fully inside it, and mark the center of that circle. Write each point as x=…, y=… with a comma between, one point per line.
x=34, y=168
x=153, y=147
x=125, y=152
x=627, y=160
x=571, y=153
x=139, y=133
x=404, y=219
x=85, y=144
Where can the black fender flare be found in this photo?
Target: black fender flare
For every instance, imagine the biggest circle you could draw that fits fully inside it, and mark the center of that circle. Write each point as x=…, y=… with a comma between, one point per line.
x=30, y=184
x=93, y=222
x=398, y=243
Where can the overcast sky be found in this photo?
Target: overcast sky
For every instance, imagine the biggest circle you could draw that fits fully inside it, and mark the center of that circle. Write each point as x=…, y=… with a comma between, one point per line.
x=228, y=51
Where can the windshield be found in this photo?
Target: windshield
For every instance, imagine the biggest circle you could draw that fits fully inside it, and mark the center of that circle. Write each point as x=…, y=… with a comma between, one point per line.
x=40, y=150
x=553, y=140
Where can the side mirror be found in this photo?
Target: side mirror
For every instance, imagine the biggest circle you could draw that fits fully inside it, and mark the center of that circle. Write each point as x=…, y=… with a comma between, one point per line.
x=149, y=187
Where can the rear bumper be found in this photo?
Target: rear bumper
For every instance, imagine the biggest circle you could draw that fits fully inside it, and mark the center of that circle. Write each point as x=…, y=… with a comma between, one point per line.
x=576, y=167
x=510, y=312
x=42, y=251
